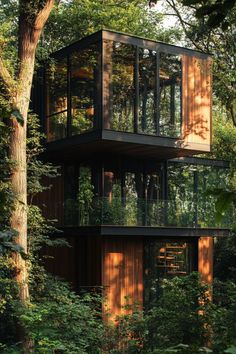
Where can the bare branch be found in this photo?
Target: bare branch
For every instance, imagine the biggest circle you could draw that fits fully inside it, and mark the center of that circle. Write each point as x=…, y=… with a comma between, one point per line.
x=183, y=23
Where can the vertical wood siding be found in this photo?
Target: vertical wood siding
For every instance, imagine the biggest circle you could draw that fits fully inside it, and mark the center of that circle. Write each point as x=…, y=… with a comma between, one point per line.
x=122, y=273
x=51, y=200
x=60, y=261
x=205, y=259
x=196, y=101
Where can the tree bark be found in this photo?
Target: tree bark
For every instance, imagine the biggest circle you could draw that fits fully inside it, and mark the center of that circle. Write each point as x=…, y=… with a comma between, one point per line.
x=30, y=30
x=32, y=18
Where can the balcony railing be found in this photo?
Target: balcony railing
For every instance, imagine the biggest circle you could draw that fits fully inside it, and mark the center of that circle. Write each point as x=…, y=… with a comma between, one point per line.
x=140, y=212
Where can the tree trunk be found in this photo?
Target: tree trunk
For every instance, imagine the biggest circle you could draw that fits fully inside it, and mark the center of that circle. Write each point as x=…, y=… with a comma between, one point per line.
x=32, y=18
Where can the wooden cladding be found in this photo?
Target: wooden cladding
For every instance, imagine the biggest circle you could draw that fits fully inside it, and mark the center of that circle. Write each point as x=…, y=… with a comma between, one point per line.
x=122, y=273
x=205, y=259
x=51, y=200
x=196, y=102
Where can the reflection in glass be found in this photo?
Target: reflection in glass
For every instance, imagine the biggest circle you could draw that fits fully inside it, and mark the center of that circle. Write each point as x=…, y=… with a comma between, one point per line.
x=170, y=95
x=163, y=260
x=56, y=78
x=121, y=88
x=85, y=194
x=147, y=92
x=83, y=87
x=190, y=183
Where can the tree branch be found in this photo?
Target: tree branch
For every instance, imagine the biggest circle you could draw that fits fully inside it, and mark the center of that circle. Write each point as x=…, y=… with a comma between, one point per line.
x=43, y=15
x=183, y=24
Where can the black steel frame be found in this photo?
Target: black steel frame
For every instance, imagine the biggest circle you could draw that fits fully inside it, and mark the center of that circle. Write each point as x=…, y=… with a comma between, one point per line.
x=100, y=38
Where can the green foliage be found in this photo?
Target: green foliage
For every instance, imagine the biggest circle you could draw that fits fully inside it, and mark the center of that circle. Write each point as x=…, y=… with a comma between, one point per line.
x=223, y=316
x=217, y=41
x=183, y=320
x=225, y=258
x=8, y=299
x=215, y=11
x=72, y=20
x=62, y=321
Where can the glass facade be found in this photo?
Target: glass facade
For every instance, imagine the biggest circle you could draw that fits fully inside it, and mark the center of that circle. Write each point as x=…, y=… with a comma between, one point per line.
x=121, y=86
x=72, y=93
x=83, y=89
x=133, y=193
x=57, y=100
x=147, y=123
x=116, y=86
x=170, y=95
x=190, y=183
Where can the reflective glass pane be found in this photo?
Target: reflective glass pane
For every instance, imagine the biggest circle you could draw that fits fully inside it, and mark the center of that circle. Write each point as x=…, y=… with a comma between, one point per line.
x=147, y=81
x=121, y=89
x=85, y=194
x=170, y=95
x=57, y=86
x=56, y=100
x=83, y=86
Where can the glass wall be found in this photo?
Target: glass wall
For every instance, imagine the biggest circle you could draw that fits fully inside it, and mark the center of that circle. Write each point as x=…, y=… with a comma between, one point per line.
x=189, y=183
x=80, y=189
x=147, y=123
x=72, y=93
x=121, y=63
x=123, y=193
x=165, y=259
x=132, y=192
x=83, y=89
x=170, y=95
x=56, y=100
x=143, y=89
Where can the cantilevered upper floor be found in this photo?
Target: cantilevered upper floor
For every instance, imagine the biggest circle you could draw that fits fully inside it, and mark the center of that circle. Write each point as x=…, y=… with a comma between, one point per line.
x=126, y=94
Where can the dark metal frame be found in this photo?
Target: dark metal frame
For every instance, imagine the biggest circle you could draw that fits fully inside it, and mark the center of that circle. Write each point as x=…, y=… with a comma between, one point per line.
x=100, y=38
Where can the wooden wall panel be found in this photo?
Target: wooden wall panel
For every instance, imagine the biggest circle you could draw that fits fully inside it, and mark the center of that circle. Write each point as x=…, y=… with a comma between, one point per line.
x=196, y=102
x=51, y=200
x=122, y=273
x=205, y=259
x=60, y=261
x=79, y=264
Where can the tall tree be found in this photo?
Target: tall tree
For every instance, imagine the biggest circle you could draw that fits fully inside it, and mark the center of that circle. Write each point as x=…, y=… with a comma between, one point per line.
x=198, y=21
x=16, y=82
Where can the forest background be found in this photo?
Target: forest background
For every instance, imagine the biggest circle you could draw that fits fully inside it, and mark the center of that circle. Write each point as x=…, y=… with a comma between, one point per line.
x=49, y=317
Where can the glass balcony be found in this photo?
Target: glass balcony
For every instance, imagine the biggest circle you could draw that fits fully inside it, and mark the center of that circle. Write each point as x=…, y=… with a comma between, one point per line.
x=140, y=212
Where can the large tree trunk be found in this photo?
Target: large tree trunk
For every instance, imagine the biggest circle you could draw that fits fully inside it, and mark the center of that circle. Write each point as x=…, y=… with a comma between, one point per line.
x=30, y=28
x=32, y=18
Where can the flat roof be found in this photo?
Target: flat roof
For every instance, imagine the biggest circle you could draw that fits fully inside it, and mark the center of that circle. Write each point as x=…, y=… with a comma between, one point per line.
x=106, y=34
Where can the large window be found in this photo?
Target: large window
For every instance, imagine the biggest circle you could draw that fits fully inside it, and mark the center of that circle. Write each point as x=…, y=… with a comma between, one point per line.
x=57, y=100
x=132, y=193
x=72, y=93
x=83, y=89
x=142, y=89
x=187, y=186
x=165, y=259
x=120, y=67
x=147, y=92
x=170, y=95
x=80, y=188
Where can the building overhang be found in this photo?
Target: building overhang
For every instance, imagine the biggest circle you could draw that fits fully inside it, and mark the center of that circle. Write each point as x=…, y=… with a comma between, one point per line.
x=145, y=231
x=120, y=143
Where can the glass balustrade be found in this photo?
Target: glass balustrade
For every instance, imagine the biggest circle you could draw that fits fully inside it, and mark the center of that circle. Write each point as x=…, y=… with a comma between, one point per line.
x=140, y=212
